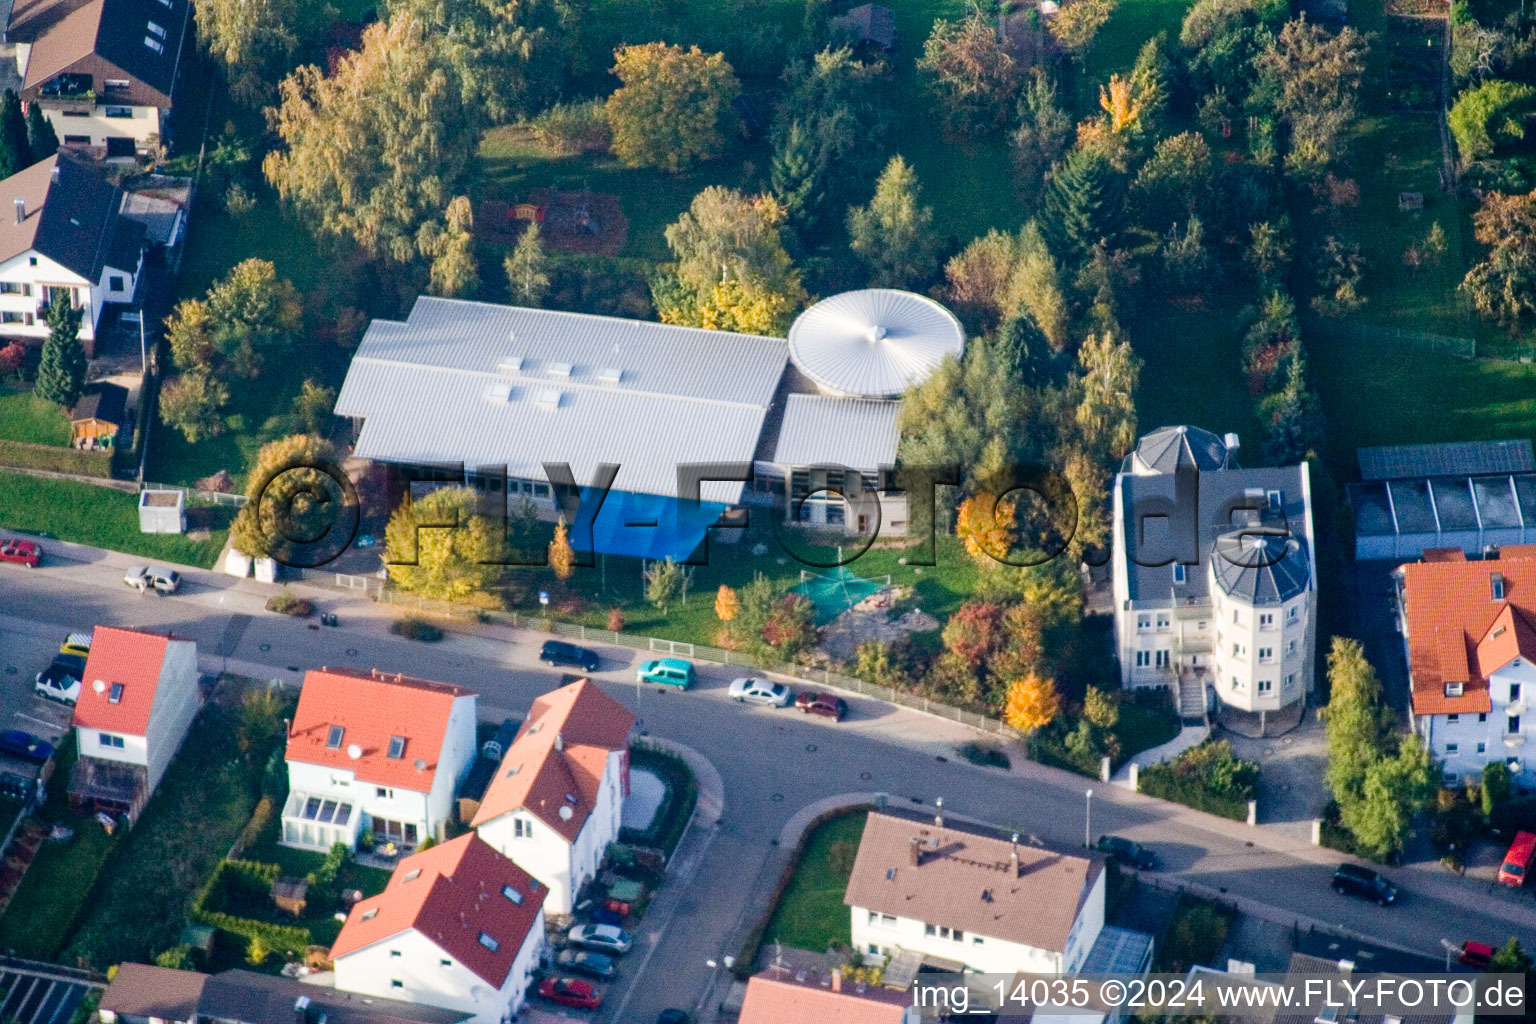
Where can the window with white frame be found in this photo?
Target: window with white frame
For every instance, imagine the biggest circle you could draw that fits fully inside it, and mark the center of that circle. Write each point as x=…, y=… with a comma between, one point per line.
x=1266, y=685
x=1266, y=620
x=1143, y=623
x=1266, y=654
x=1164, y=620
x=522, y=828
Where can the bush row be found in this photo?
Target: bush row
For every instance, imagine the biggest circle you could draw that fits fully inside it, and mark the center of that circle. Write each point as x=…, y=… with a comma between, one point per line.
x=1208, y=778
x=53, y=458
x=252, y=875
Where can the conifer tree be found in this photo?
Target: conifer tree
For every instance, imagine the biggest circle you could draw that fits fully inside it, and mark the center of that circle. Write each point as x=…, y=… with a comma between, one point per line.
x=1085, y=204
x=893, y=235
x=15, y=150
x=61, y=370
x=42, y=140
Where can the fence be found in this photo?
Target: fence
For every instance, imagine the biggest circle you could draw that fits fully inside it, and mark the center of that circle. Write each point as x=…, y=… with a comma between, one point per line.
x=821, y=677
x=370, y=585
x=1343, y=333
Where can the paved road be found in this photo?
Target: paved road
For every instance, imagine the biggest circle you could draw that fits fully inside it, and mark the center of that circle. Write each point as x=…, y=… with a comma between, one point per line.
x=772, y=763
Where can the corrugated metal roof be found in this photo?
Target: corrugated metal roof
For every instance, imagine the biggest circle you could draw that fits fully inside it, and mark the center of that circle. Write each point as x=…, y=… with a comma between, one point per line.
x=852, y=432
x=424, y=389
x=873, y=343
x=1469, y=458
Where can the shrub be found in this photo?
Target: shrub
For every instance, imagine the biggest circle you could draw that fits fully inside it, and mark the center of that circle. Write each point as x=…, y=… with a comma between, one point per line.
x=24, y=455
x=413, y=628
x=289, y=603
x=616, y=620
x=1209, y=778
x=985, y=755
x=568, y=129
x=257, y=825
x=241, y=883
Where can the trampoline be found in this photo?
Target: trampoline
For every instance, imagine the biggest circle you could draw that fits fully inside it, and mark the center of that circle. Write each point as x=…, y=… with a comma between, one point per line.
x=834, y=591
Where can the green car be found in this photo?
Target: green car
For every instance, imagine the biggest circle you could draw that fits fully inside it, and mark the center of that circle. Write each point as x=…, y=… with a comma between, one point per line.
x=668, y=672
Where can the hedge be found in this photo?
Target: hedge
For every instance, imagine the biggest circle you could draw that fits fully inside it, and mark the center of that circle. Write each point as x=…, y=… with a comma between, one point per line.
x=25, y=455
x=1208, y=778
x=676, y=808
x=251, y=874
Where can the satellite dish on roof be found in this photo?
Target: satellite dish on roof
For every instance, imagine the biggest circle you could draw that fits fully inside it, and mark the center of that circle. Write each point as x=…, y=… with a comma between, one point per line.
x=354, y=751
x=565, y=812
x=421, y=765
x=100, y=686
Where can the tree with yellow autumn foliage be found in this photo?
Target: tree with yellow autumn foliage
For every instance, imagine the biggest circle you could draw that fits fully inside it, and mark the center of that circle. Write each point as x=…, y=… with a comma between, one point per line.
x=727, y=604
x=986, y=526
x=562, y=557
x=1032, y=703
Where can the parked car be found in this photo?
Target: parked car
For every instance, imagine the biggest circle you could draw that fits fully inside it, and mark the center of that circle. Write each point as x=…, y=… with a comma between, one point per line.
x=584, y=961
x=823, y=704
x=582, y=995
x=1475, y=954
x=761, y=691
x=1353, y=880
x=25, y=746
x=1512, y=870
x=558, y=652
x=147, y=577
x=668, y=672
x=605, y=938
x=21, y=552
x=61, y=680
x=1127, y=852
x=77, y=644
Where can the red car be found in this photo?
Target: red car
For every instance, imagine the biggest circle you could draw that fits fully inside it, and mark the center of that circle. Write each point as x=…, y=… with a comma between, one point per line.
x=583, y=995
x=823, y=704
x=22, y=552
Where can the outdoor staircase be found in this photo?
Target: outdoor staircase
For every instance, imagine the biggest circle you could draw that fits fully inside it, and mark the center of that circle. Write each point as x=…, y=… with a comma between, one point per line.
x=1189, y=694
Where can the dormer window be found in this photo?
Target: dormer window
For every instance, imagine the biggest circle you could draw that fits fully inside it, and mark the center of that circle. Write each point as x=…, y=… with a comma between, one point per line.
x=1454, y=689
x=1178, y=572
x=1273, y=499
x=396, y=748
x=115, y=695
x=1496, y=582
x=333, y=737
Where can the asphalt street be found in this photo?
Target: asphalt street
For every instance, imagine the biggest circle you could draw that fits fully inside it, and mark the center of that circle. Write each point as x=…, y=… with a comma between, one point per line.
x=772, y=763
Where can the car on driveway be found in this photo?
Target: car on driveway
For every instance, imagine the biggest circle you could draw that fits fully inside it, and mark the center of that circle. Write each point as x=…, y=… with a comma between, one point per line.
x=76, y=643
x=1353, y=880
x=584, y=961
x=21, y=552
x=558, y=652
x=25, y=746
x=605, y=938
x=574, y=992
x=668, y=672
x=761, y=691
x=824, y=704
x=1127, y=852
x=61, y=680
x=150, y=577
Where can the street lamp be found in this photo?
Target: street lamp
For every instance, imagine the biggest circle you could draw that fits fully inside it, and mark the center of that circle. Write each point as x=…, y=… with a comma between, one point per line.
x=1088, y=817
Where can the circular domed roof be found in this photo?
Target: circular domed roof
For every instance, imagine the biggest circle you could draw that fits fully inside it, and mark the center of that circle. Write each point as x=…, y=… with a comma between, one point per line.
x=873, y=343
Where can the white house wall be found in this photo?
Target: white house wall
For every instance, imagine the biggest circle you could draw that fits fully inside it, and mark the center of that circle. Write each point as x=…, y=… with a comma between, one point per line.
x=142, y=125
x=455, y=759
x=395, y=804
x=1491, y=730
x=135, y=750
x=176, y=702
x=30, y=268
x=415, y=969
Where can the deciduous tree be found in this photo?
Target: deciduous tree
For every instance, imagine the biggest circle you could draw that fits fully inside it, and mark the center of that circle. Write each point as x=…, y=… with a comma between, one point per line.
x=987, y=527
x=664, y=582
x=450, y=247
x=289, y=495
x=1076, y=25
x=1489, y=116
x=1044, y=132
x=1031, y=704
x=893, y=235
x=1395, y=790
x=254, y=40
x=1502, y=286
x=826, y=134
x=193, y=403
x=1176, y=182
x=562, y=557
x=727, y=604
x=441, y=547
x=1353, y=724
x=974, y=78
x=674, y=107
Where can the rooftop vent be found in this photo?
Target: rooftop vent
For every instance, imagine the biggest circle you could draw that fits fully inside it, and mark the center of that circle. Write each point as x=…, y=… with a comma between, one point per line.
x=1232, y=442
x=610, y=375
x=510, y=364
x=549, y=398
x=559, y=369
x=498, y=392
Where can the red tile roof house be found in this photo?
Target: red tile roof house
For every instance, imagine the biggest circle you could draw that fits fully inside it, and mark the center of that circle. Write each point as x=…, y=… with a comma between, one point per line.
x=373, y=750
x=781, y=996
x=554, y=803
x=140, y=697
x=459, y=926
x=1470, y=632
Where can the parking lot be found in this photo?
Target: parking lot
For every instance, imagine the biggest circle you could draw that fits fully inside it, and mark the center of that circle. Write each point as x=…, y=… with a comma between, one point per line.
x=38, y=994
x=22, y=657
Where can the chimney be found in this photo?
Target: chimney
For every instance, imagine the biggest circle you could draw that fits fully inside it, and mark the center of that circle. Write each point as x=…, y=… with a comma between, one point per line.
x=837, y=979
x=1013, y=855
x=21, y=210
x=915, y=851
x=938, y=818
x=559, y=741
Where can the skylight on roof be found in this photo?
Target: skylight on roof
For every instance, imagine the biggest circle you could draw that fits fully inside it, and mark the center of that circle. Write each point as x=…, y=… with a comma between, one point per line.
x=396, y=747
x=512, y=894
x=510, y=364
x=549, y=398
x=154, y=44
x=499, y=391
x=333, y=737
x=570, y=798
x=412, y=875
x=512, y=771
x=610, y=375
x=155, y=30
x=370, y=914
x=115, y=695
x=560, y=369
x=489, y=943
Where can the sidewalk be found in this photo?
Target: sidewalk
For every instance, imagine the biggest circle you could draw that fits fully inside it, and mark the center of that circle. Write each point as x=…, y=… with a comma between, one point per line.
x=1189, y=736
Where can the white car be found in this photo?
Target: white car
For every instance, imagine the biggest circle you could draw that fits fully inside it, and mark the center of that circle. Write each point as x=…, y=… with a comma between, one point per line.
x=150, y=577
x=60, y=681
x=605, y=938
x=761, y=691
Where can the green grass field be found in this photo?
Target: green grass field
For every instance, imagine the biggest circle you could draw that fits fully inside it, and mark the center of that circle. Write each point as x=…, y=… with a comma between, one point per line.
x=25, y=417
x=101, y=517
x=811, y=914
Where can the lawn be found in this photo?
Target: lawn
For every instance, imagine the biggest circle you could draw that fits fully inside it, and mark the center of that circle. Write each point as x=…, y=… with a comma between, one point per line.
x=322, y=924
x=139, y=906
x=811, y=914
x=1192, y=371
x=101, y=517
x=25, y=417
x=1130, y=25
x=38, y=921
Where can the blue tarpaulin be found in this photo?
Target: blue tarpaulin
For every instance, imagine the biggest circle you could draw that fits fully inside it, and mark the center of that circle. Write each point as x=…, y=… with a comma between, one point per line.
x=643, y=525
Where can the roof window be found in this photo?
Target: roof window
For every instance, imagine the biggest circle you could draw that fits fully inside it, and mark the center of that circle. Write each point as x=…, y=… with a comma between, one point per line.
x=1454, y=689
x=489, y=943
x=396, y=747
x=154, y=44
x=610, y=375
x=412, y=875
x=333, y=737
x=512, y=894
x=560, y=369
x=510, y=364
x=1496, y=582
x=115, y=695
x=155, y=30
x=549, y=398
x=370, y=914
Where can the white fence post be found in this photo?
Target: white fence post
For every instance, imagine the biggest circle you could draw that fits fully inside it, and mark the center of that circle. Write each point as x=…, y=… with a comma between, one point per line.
x=1253, y=812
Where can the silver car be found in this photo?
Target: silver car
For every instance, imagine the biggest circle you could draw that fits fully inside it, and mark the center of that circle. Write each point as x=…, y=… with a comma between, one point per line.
x=151, y=577
x=605, y=938
x=761, y=691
